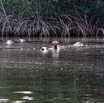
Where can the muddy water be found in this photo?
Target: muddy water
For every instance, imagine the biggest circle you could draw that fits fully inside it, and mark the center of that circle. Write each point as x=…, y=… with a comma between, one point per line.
x=74, y=75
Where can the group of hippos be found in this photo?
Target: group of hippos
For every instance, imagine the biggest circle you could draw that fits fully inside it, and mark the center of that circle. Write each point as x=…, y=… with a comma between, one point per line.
x=55, y=48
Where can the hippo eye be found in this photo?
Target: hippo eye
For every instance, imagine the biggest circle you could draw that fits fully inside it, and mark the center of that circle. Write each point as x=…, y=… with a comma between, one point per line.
x=41, y=48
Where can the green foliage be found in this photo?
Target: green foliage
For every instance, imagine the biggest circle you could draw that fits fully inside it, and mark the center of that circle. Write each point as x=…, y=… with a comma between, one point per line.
x=51, y=8
x=16, y=7
x=97, y=6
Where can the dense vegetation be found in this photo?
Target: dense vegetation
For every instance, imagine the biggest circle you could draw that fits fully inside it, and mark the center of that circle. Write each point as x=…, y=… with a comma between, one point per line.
x=52, y=17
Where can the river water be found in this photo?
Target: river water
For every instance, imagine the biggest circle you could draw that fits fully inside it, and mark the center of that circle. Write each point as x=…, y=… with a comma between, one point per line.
x=74, y=75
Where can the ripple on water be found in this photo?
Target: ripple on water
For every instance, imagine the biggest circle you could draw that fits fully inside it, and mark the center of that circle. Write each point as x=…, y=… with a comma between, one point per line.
x=27, y=98
x=19, y=101
x=4, y=100
x=24, y=92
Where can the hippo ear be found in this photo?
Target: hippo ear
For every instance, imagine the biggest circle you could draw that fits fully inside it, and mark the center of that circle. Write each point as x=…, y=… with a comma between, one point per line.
x=55, y=42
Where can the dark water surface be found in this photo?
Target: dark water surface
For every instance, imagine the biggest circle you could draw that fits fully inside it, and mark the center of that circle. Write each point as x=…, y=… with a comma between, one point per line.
x=75, y=75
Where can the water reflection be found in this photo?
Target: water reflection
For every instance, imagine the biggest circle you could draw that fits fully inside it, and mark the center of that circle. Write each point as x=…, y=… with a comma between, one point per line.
x=76, y=75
